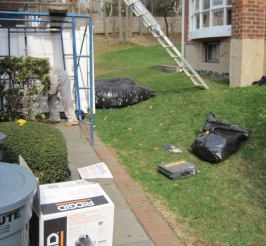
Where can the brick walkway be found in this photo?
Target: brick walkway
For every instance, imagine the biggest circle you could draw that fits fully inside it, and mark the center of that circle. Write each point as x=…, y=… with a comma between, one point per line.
x=149, y=218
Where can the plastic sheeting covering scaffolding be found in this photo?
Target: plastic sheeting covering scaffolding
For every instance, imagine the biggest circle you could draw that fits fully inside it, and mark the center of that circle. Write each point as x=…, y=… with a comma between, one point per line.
x=65, y=46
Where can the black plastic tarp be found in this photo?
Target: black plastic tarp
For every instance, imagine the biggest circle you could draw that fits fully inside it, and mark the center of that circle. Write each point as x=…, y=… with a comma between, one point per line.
x=219, y=140
x=120, y=92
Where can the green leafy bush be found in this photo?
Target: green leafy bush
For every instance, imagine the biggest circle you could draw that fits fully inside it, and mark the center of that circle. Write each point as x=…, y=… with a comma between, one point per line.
x=23, y=80
x=42, y=146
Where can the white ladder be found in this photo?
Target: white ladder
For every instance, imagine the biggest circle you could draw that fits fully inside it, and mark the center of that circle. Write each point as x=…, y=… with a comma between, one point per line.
x=151, y=24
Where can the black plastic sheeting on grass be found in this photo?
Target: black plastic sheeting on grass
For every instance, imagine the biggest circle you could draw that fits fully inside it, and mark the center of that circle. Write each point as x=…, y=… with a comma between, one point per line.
x=219, y=140
x=120, y=92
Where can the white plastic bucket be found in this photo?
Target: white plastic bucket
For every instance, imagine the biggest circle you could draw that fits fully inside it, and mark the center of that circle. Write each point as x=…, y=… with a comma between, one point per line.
x=17, y=188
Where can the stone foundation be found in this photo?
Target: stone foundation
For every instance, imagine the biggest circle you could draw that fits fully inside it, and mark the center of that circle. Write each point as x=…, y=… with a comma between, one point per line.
x=246, y=61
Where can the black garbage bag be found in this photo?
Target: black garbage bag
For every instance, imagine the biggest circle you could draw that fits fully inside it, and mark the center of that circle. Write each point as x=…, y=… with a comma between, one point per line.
x=121, y=92
x=80, y=113
x=262, y=81
x=219, y=140
x=124, y=81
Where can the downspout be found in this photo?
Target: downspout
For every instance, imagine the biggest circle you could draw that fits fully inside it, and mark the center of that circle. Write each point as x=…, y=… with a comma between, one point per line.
x=25, y=32
x=9, y=46
x=183, y=29
x=92, y=86
x=26, y=42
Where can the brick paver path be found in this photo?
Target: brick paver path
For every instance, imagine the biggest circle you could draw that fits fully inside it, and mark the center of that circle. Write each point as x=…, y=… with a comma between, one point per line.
x=149, y=218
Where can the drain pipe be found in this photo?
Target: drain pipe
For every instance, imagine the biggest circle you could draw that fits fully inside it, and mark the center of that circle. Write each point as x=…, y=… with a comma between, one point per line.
x=183, y=29
x=26, y=43
x=25, y=32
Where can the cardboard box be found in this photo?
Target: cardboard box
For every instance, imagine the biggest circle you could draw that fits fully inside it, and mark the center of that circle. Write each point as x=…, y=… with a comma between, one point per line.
x=72, y=213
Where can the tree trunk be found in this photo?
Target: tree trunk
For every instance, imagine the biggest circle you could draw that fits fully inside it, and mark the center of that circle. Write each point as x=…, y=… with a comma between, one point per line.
x=127, y=26
x=105, y=19
x=166, y=24
x=152, y=7
x=130, y=24
x=110, y=17
x=120, y=24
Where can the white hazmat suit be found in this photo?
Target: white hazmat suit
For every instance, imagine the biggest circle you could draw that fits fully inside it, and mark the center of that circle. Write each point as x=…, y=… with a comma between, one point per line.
x=60, y=90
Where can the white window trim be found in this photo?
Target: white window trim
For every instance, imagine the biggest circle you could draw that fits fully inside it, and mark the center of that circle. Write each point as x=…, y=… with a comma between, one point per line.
x=211, y=32
x=208, y=32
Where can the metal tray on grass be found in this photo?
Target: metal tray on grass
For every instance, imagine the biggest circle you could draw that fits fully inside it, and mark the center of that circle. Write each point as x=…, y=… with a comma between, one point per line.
x=177, y=169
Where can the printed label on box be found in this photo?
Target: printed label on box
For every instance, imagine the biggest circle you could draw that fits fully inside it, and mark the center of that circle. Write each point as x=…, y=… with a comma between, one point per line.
x=73, y=205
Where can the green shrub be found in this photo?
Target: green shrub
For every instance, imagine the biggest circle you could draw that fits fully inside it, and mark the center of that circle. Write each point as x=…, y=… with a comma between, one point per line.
x=42, y=146
x=23, y=81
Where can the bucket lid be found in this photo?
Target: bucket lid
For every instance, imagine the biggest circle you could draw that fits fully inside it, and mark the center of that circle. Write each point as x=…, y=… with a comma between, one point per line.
x=17, y=186
x=2, y=137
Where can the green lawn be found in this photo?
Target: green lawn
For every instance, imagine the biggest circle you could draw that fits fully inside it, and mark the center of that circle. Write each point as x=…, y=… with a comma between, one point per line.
x=224, y=204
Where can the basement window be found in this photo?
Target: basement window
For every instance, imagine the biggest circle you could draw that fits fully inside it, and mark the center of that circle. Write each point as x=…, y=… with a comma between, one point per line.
x=213, y=52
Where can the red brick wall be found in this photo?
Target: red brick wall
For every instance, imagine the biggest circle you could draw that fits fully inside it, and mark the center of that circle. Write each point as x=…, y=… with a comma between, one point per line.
x=12, y=6
x=265, y=48
x=186, y=19
x=248, y=19
x=16, y=6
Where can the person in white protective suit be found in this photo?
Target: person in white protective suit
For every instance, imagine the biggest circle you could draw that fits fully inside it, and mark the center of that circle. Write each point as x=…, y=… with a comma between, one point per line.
x=60, y=90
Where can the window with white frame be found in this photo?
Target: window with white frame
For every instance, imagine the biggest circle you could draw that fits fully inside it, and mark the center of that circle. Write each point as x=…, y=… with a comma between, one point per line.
x=210, y=18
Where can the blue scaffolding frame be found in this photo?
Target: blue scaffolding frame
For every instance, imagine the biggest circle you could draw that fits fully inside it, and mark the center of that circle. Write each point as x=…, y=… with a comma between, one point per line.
x=70, y=19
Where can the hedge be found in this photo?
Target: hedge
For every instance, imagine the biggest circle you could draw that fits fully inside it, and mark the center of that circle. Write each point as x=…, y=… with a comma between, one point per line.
x=42, y=146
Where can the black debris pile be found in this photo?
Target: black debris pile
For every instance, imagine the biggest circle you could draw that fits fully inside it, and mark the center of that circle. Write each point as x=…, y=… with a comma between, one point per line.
x=219, y=140
x=120, y=92
x=262, y=81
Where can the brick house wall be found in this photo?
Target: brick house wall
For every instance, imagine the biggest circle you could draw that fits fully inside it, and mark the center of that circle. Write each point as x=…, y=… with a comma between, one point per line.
x=264, y=70
x=13, y=5
x=248, y=19
x=186, y=24
x=242, y=51
x=249, y=33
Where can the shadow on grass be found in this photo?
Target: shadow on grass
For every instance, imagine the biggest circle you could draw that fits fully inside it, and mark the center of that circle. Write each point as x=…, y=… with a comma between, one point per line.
x=180, y=90
x=221, y=82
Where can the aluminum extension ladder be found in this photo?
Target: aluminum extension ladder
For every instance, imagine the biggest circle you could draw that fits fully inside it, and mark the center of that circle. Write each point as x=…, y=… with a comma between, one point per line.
x=151, y=24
